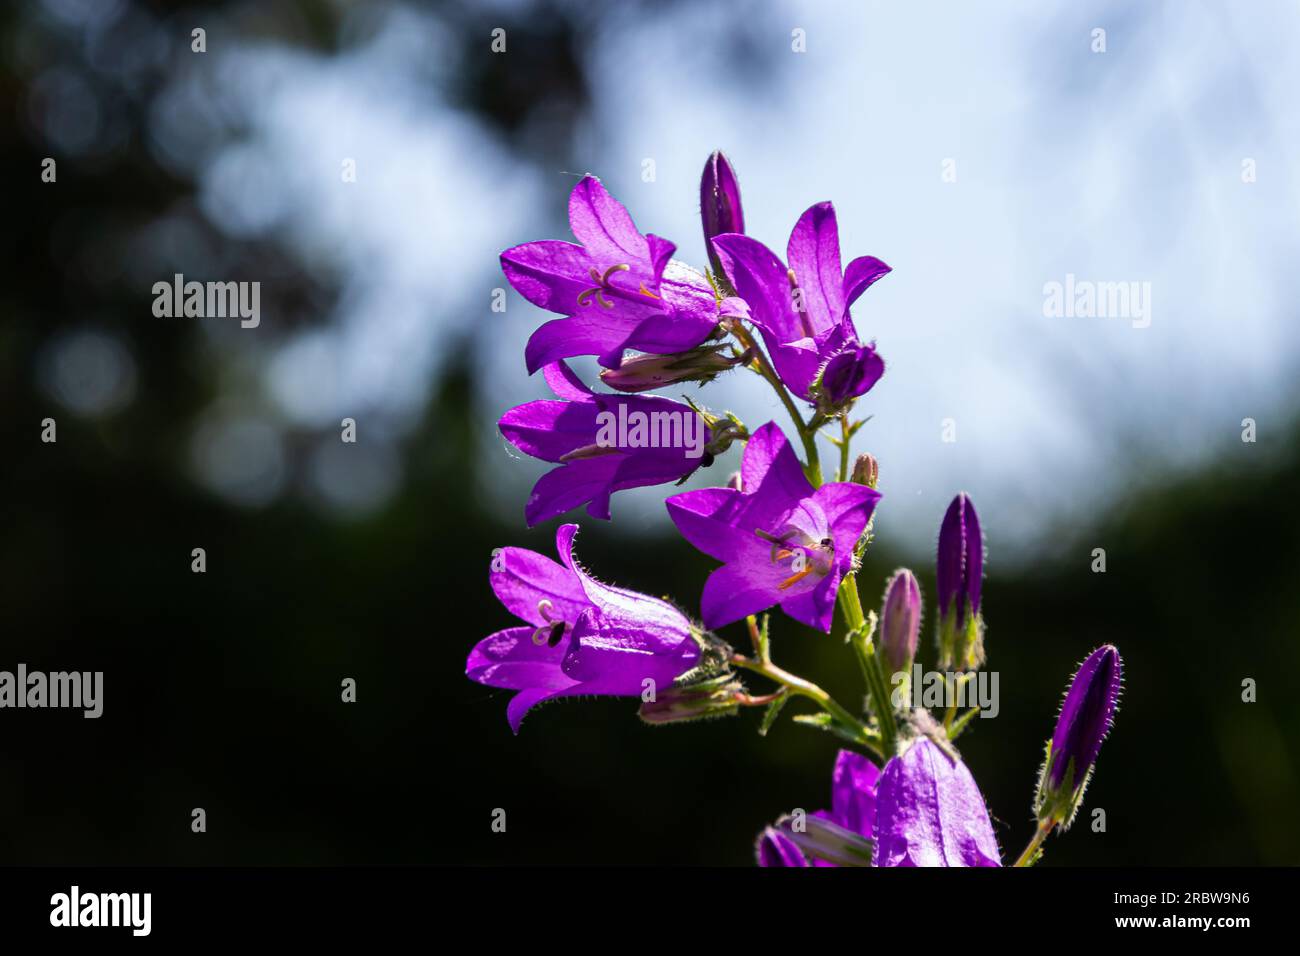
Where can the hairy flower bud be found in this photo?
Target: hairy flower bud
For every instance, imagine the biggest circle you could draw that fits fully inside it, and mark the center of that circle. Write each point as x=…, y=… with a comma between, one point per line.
x=900, y=622
x=824, y=839
x=866, y=471
x=720, y=209
x=641, y=373
x=847, y=375
x=708, y=698
x=1085, y=718
x=774, y=848
x=960, y=570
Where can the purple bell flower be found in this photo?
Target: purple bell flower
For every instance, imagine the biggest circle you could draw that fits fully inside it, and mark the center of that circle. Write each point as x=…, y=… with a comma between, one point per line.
x=580, y=637
x=802, y=309
x=618, y=290
x=923, y=810
x=606, y=443
x=782, y=541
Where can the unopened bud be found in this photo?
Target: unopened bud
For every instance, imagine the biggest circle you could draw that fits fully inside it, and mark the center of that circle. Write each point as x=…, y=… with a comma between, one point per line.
x=900, y=622
x=824, y=840
x=847, y=375
x=1084, y=720
x=960, y=571
x=641, y=373
x=709, y=698
x=720, y=209
x=866, y=471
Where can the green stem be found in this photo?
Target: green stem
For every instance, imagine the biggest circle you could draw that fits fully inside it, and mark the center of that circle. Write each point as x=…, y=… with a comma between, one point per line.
x=806, y=435
x=960, y=723
x=845, y=440
x=797, y=685
x=1031, y=850
x=860, y=634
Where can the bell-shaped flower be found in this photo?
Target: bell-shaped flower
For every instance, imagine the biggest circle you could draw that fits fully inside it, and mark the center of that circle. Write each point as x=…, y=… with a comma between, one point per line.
x=579, y=637
x=802, y=309
x=618, y=289
x=606, y=443
x=782, y=541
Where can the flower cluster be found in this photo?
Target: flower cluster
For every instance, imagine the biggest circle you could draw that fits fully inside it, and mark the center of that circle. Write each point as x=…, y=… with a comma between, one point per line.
x=783, y=535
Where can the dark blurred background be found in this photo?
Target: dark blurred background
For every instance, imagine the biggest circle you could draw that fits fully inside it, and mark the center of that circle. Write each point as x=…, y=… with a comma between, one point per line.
x=369, y=561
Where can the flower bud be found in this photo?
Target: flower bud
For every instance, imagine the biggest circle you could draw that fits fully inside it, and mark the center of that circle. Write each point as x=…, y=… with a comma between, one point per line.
x=708, y=698
x=960, y=570
x=866, y=471
x=900, y=622
x=1084, y=720
x=641, y=373
x=720, y=209
x=774, y=848
x=847, y=375
x=824, y=839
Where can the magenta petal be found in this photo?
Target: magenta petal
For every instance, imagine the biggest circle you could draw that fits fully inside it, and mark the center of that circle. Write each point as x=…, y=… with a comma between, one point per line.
x=511, y=659
x=565, y=383
x=929, y=812
x=813, y=603
x=570, y=485
x=661, y=253
x=668, y=334
x=604, y=227
x=848, y=507
x=664, y=624
x=770, y=464
x=760, y=278
x=548, y=273
x=814, y=255
x=522, y=579
x=614, y=654
x=860, y=275
x=774, y=848
x=853, y=792
x=594, y=331
x=736, y=590
x=526, y=700
x=550, y=430
x=706, y=518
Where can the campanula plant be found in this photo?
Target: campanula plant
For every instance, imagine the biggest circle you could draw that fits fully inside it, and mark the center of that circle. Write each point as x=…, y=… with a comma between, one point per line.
x=789, y=531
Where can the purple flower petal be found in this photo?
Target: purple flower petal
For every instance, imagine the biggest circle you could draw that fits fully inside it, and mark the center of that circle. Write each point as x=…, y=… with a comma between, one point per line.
x=550, y=430
x=522, y=579
x=593, y=332
x=853, y=792
x=570, y=485
x=762, y=280
x=548, y=273
x=860, y=275
x=929, y=812
x=604, y=227
x=782, y=542
x=770, y=468
x=814, y=254
x=774, y=848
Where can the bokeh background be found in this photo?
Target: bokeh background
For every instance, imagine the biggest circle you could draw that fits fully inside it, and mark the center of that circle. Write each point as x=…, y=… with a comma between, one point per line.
x=370, y=561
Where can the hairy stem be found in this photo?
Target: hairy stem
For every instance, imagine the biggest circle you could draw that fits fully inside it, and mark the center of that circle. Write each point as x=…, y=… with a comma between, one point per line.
x=860, y=635
x=1035, y=844
x=804, y=688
